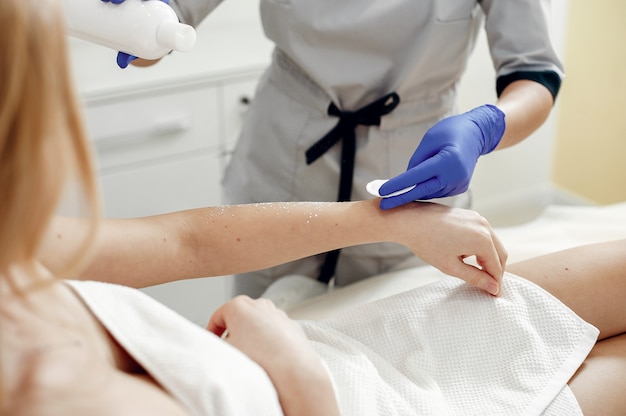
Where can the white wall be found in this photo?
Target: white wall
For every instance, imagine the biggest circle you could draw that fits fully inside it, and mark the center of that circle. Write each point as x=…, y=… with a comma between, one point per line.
x=591, y=128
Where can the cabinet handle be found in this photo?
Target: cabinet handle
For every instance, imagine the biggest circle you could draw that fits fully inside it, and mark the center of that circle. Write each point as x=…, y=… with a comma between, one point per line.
x=172, y=125
x=160, y=127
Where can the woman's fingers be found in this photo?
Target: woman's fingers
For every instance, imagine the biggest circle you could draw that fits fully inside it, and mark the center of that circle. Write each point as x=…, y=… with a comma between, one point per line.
x=217, y=322
x=477, y=277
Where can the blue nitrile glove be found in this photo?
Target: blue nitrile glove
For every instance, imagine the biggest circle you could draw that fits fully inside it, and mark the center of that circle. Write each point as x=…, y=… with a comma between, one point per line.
x=124, y=59
x=444, y=161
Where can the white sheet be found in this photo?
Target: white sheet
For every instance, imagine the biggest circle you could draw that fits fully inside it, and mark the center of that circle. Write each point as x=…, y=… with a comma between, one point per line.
x=565, y=226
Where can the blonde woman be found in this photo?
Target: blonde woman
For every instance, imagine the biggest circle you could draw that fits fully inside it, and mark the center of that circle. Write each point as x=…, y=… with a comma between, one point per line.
x=70, y=347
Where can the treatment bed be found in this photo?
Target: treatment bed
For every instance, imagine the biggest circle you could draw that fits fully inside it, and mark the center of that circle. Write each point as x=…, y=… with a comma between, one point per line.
x=556, y=228
x=389, y=357
x=355, y=323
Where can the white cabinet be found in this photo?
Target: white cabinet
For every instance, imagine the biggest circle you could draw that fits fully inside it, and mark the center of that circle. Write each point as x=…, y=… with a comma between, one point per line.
x=154, y=123
x=157, y=150
x=160, y=187
x=163, y=133
x=164, y=149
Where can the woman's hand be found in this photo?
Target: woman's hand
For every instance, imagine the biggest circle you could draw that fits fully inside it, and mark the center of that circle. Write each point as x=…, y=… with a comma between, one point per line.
x=260, y=330
x=278, y=344
x=445, y=237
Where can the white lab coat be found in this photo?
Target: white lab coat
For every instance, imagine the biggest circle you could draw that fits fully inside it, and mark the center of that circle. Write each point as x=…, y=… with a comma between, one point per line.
x=352, y=52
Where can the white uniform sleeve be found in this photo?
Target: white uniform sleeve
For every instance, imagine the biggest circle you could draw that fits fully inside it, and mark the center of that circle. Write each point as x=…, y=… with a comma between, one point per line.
x=192, y=12
x=518, y=32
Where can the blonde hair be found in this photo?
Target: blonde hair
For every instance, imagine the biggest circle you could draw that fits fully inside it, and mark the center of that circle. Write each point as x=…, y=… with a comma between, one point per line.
x=42, y=137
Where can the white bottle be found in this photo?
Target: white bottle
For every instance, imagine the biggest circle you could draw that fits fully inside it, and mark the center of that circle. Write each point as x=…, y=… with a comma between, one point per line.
x=146, y=29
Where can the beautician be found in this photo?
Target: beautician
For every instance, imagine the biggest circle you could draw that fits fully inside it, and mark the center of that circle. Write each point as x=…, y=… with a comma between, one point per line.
x=356, y=89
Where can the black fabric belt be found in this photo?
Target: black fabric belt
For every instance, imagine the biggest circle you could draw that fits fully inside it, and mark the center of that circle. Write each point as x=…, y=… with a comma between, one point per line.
x=369, y=115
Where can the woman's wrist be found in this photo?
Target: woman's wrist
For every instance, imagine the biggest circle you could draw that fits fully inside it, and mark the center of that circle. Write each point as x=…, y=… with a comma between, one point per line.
x=380, y=225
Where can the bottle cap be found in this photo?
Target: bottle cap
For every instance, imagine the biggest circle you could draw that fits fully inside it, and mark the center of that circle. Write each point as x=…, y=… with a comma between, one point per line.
x=176, y=36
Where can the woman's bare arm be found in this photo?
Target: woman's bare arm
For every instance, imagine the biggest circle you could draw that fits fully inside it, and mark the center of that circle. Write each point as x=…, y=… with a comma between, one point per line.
x=234, y=239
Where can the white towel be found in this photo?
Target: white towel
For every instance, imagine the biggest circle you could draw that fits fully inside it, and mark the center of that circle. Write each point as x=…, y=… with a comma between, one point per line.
x=441, y=349
x=205, y=373
x=450, y=349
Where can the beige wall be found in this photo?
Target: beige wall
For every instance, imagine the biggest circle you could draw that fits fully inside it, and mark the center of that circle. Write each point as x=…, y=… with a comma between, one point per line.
x=590, y=148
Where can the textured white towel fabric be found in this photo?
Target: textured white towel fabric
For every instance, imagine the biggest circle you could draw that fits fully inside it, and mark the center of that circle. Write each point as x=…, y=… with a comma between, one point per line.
x=450, y=349
x=441, y=349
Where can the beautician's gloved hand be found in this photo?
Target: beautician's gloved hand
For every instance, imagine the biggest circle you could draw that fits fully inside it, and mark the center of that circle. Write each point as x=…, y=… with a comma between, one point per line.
x=444, y=161
x=124, y=59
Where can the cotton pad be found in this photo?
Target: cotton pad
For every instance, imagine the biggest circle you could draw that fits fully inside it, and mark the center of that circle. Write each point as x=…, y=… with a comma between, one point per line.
x=374, y=188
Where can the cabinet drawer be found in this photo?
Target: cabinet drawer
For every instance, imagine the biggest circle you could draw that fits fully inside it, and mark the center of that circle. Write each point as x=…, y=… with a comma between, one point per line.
x=153, y=125
x=163, y=187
